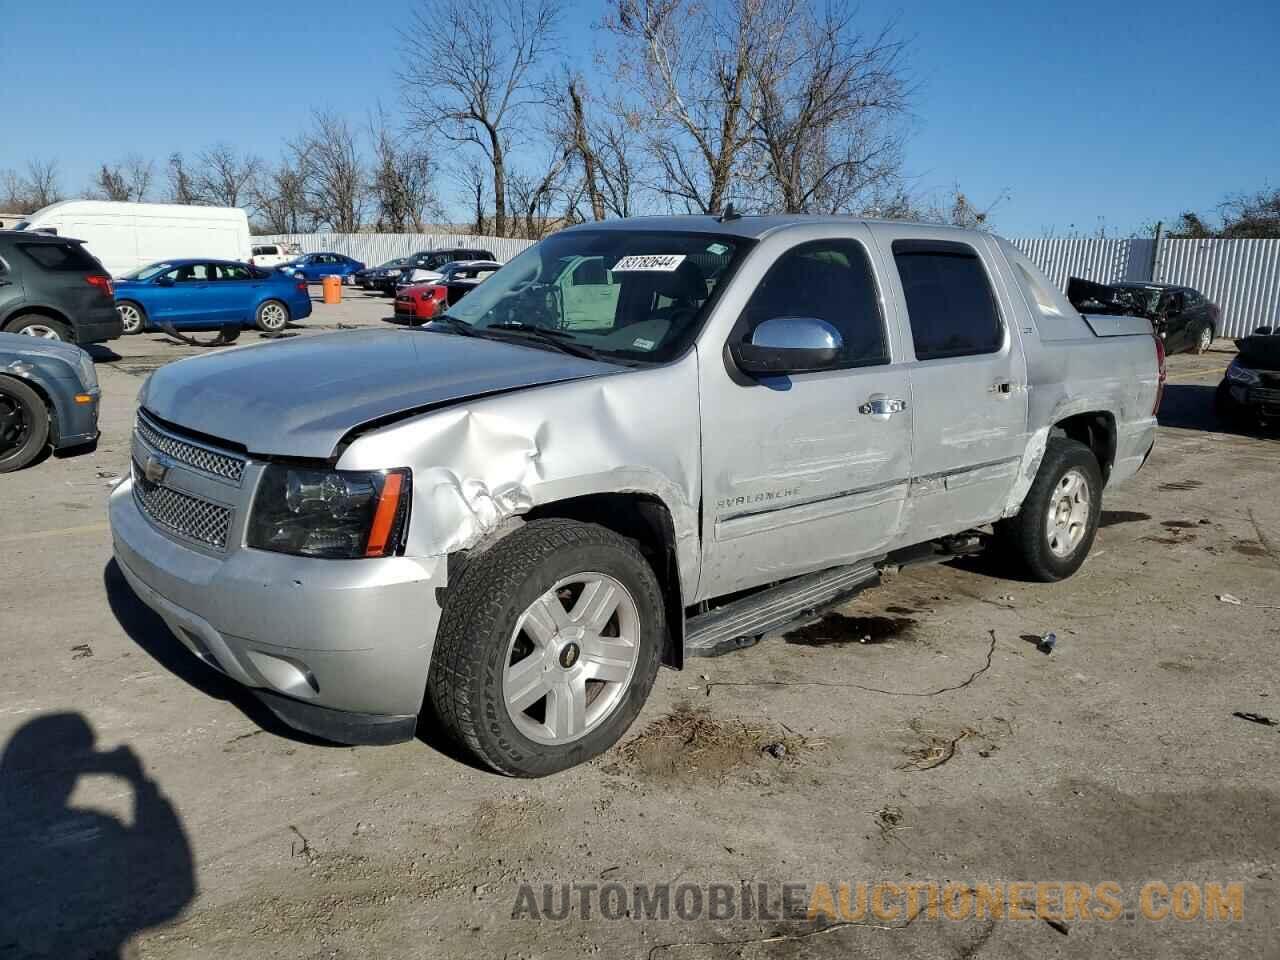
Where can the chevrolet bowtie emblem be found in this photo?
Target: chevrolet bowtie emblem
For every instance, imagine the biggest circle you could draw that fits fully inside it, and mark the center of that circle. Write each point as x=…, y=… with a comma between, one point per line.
x=156, y=468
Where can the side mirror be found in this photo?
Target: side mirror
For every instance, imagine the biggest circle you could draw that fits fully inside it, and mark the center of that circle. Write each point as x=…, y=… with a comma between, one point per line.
x=164, y=281
x=788, y=345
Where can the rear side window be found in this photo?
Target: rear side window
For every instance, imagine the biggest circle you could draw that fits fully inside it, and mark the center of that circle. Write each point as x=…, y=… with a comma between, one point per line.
x=62, y=257
x=950, y=304
x=832, y=281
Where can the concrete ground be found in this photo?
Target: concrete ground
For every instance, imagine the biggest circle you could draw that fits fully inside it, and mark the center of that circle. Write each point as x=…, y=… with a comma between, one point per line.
x=155, y=811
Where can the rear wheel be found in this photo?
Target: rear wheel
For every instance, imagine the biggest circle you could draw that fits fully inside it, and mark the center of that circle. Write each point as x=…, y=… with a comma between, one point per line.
x=1052, y=533
x=272, y=316
x=132, y=316
x=548, y=647
x=24, y=424
x=38, y=325
x=1202, y=338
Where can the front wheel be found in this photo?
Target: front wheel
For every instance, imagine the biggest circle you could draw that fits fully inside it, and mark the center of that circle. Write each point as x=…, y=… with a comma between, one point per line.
x=548, y=647
x=272, y=316
x=24, y=424
x=1052, y=533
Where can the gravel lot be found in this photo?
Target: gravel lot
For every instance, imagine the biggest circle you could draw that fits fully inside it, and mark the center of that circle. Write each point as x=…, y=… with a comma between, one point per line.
x=947, y=749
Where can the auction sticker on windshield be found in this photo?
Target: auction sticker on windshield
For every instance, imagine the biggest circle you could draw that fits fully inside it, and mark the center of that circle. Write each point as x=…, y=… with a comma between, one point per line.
x=659, y=262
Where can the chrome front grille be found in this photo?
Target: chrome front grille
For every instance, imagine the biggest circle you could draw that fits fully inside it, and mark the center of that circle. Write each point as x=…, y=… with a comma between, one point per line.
x=216, y=463
x=188, y=516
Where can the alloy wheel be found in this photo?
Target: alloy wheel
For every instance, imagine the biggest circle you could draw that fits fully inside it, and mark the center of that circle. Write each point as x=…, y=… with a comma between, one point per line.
x=571, y=658
x=1068, y=513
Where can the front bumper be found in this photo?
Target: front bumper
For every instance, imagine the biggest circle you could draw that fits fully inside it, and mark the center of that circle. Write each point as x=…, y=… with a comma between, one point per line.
x=339, y=648
x=1261, y=401
x=78, y=422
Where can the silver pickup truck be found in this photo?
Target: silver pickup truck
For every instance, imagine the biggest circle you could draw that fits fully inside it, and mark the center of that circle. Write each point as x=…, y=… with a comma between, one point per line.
x=640, y=441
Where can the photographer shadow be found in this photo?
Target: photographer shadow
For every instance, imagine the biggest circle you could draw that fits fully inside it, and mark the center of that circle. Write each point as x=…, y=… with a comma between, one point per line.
x=79, y=882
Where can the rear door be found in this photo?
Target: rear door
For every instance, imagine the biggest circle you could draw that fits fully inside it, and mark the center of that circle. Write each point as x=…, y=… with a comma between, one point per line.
x=191, y=300
x=238, y=289
x=968, y=382
x=802, y=472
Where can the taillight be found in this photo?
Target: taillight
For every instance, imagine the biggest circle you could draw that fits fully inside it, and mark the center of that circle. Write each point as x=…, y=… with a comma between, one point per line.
x=437, y=293
x=1164, y=374
x=302, y=285
x=102, y=282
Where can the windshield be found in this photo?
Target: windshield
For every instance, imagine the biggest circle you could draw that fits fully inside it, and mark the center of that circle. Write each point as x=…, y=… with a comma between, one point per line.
x=147, y=272
x=632, y=295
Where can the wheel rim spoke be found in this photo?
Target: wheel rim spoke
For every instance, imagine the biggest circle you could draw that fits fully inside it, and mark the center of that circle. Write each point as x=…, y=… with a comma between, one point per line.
x=526, y=681
x=567, y=708
x=596, y=605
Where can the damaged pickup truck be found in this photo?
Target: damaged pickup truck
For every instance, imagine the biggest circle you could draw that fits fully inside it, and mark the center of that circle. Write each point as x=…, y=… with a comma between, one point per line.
x=640, y=441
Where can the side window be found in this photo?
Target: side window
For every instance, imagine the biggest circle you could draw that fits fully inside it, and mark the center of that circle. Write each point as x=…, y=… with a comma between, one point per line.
x=233, y=271
x=950, y=304
x=194, y=273
x=590, y=272
x=832, y=281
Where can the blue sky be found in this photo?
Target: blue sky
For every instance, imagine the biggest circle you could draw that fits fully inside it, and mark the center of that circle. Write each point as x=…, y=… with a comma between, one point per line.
x=1086, y=113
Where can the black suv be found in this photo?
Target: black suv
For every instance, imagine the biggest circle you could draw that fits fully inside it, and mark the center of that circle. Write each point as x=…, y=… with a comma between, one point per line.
x=53, y=287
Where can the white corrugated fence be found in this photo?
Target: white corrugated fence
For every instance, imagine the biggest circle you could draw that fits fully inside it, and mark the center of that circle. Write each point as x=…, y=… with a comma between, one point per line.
x=1241, y=276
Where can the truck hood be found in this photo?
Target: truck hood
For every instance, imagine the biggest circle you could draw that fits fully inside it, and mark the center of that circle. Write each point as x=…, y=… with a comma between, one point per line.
x=300, y=397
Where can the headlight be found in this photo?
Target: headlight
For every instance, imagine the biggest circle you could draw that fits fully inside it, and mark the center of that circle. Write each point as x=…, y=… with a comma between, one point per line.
x=88, y=372
x=331, y=513
x=1241, y=374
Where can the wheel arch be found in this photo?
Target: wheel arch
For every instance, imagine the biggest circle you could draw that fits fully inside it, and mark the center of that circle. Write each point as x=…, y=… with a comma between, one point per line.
x=1096, y=429
x=643, y=518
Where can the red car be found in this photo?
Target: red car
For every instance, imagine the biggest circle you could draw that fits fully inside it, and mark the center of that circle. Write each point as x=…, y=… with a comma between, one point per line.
x=420, y=302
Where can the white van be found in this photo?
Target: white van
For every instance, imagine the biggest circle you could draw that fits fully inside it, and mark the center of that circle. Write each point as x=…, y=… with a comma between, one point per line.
x=126, y=236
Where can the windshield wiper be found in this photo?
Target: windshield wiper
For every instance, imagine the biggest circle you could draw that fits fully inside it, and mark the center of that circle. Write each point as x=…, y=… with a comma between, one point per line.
x=559, y=339
x=453, y=325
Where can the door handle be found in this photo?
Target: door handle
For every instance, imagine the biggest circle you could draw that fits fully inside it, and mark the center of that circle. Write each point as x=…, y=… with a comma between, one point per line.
x=881, y=407
x=1003, y=388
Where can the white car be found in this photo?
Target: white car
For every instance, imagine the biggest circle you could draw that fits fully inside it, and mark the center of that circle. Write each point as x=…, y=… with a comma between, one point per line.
x=274, y=254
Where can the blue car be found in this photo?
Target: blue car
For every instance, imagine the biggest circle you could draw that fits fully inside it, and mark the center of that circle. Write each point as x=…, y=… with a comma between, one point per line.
x=315, y=266
x=209, y=294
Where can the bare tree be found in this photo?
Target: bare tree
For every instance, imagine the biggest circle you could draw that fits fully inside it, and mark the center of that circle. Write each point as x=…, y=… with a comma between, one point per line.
x=335, y=175
x=688, y=65
x=127, y=180
x=827, y=110
x=574, y=131
x=473, y=179
x=402, y=180
x=182, y=186
x=42, y=183
x=470, y=71
x=534, y=197
x=280, y=196
x=225, y=176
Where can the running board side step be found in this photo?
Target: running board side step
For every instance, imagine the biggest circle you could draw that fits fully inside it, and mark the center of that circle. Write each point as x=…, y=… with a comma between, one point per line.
x=742, y=622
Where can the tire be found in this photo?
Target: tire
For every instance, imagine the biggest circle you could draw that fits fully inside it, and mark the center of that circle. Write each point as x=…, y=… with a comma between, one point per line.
x=1202, y=338
x=498, y=617
x=38, y=325
x=24, y=424
x=272, y=316
x=132, y=315
x=1048, y=553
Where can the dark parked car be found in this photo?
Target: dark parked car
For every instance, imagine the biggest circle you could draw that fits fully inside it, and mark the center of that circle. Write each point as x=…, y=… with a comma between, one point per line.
x=1182, y=316
x=314, y=267
x=48, y=397
x=52, y=287
x=372, y=278
x=208, y=294
x=1251, y=388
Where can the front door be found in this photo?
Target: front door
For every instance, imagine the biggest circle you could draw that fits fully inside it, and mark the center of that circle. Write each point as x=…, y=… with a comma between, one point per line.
x=806, y=471
x=968, y=384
